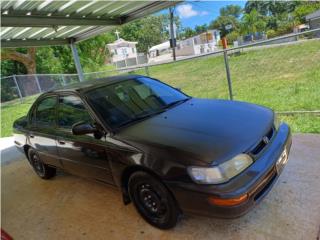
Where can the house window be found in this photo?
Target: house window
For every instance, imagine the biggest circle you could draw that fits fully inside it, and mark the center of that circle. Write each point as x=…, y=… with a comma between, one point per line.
x=124, y=51
x=195, y=41
x=115, y=51
x=132, y=50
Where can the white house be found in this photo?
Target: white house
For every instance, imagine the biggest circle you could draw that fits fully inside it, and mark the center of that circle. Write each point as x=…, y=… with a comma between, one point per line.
x=124, y=53
x=203, y=43
x=160, y=52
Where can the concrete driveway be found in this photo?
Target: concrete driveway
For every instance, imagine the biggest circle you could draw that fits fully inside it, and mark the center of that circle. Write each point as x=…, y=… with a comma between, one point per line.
x=69, y=207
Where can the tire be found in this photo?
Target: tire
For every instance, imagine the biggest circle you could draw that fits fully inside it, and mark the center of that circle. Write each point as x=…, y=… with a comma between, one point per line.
x=41, y=169
x=153, y=200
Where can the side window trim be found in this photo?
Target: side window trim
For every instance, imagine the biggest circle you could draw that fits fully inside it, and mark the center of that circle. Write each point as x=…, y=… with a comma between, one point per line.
x=33, y=112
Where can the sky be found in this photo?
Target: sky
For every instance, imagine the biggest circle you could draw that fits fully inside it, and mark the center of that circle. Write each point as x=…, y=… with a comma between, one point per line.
x=193, y=13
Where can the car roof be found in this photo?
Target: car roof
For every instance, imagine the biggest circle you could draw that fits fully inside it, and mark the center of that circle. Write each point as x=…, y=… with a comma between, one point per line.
x=89, y=84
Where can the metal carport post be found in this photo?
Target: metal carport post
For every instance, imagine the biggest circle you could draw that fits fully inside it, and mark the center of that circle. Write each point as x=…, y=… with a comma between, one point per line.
x=76, y=59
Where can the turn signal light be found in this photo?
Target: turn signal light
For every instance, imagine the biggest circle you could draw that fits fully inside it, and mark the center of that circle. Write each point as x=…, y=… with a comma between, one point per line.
x=228, y=201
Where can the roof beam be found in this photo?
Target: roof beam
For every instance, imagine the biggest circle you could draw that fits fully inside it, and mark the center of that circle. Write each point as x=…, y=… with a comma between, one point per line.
x=149, y=9
x=41, y=21
x=14, y=43
x=91, y=33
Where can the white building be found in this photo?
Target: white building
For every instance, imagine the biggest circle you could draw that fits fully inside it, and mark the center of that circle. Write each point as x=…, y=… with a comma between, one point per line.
x=203, y=43
x=124, y=53
x=160, y=52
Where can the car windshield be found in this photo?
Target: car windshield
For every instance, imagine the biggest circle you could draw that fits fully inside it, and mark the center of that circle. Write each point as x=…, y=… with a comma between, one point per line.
x=128, y=101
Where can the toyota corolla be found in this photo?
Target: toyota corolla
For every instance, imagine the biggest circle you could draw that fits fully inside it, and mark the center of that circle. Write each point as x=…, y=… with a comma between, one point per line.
x=167, y=152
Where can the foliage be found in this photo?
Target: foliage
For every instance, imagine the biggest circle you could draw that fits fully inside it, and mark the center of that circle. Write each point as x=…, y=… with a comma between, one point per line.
x=52, y=63
x=233, y=36
x=26, y=56
x=264, y=16
x=222, y=21
x=9, y=67
x=271, y=33
x=231, y=10
x=228, y=16
x=201, y=28
x=93, y=52
x=252, y=22
x=148, y=31
x=304, y=9
x=187, y=33
x=271, y=8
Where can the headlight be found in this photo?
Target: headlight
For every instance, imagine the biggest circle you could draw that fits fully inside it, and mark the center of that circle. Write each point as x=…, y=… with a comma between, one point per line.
x=276, y=122
x=221, y=173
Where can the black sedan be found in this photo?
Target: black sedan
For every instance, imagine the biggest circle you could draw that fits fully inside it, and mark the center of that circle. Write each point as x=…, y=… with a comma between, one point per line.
x=168, y=153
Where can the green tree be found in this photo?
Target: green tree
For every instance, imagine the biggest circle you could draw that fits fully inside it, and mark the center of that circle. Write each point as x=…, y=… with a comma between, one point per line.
x=231, y=10
x=271, y=8
x=222, y=21
x=201, y=28
x=305, y=8
x=188, y=32
x=232, y=36
x=228, y=16
x=252, y=22
x=93, y=52
x=148, y=31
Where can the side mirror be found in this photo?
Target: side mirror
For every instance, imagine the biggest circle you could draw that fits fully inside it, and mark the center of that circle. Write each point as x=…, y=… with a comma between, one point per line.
x=178, y=88
x=83, y=128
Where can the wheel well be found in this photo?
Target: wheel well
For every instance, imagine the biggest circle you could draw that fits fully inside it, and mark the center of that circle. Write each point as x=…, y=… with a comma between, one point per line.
x=125, y=180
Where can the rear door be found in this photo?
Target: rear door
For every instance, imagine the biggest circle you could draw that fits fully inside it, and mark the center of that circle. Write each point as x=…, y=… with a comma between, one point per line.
x=84, y=155
x=43, y=128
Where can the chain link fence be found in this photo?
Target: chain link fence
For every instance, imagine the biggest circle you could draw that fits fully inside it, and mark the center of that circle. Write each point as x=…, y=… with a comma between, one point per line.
x=260, y=72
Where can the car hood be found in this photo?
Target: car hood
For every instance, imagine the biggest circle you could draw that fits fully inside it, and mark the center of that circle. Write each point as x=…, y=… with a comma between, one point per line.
x=212, y=131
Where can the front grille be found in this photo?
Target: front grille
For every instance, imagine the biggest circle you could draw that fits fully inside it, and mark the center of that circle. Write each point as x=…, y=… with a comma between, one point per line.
x=263, y=142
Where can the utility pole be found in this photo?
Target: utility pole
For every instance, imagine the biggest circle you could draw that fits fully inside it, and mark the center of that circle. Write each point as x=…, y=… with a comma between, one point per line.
x=172, y=37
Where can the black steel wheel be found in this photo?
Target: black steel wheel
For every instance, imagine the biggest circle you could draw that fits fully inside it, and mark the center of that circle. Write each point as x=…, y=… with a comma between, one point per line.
x=42, y=170
x=153, y=201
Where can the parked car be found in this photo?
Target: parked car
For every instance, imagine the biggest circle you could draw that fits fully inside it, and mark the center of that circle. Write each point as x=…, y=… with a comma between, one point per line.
x=168, y=153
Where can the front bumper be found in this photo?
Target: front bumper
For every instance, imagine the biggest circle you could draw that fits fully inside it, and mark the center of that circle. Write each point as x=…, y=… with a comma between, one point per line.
x=256, y=181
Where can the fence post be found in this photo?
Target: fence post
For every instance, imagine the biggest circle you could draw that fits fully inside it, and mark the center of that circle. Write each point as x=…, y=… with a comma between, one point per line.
x=19, y=92
x=146, y=68
x=63, y=80
x=226, y=63
x=38, y=84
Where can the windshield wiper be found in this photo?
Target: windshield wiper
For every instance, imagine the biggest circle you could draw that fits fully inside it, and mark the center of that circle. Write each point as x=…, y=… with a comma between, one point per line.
x=176, y=102
x=142, y=117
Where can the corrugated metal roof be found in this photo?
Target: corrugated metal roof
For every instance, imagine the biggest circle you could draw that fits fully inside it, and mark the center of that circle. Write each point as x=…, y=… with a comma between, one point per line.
x=53, y=22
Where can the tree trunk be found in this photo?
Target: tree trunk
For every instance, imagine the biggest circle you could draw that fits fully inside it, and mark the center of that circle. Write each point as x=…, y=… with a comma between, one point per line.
x=28, y=60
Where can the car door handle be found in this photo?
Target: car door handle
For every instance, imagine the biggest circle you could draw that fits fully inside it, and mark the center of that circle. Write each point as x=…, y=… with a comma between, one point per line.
x=31, y=136
x=61, y=142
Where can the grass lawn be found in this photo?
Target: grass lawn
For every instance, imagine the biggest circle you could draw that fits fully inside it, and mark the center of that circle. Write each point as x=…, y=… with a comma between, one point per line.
x=283, y=78
x=11, y=111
